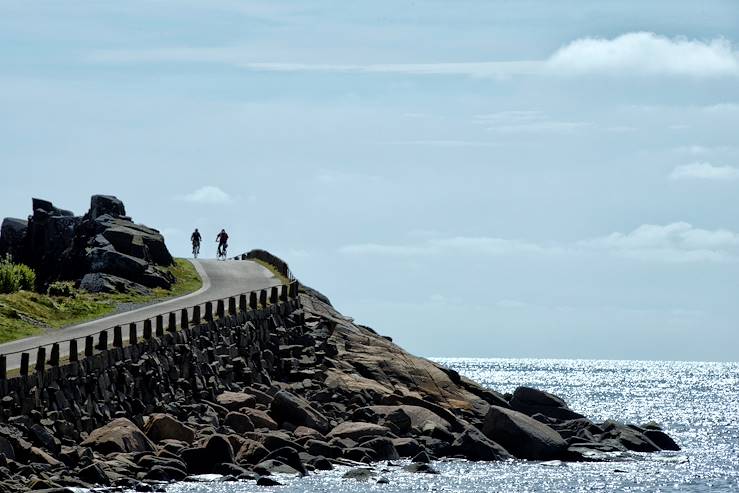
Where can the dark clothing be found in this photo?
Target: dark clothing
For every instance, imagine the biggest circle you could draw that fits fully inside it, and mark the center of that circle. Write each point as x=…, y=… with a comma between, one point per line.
x=195, y=238
x=222, y=238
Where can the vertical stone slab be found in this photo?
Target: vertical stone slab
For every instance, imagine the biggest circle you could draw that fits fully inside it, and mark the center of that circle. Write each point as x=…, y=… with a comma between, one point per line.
x=263, y=298
x=24, y=363
x=172, y=325
x=132, y=335
x=184, y=322
x=232, y=305
x=253, y=301
x=220, y=309
x=103, y=340
x=117, y=336
x=74, y=354
x=284, y=292
x=147, y=329
x=54, y=357
x=196, y=315
x=89, y=345
x=242, y=303
x=208, y=311
x=273, y=295
x=159, y=325
x=3, y=367
x=40, y=359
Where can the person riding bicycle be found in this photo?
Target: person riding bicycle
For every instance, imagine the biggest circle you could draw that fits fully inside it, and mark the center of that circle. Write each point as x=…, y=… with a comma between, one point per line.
x=195, y=239
x=222, y=240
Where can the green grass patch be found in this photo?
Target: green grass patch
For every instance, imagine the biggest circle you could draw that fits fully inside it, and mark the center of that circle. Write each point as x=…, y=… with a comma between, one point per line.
x=275, y=272
x=25, y=313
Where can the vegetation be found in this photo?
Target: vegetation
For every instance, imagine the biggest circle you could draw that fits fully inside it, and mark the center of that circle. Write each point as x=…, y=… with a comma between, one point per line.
x=273, y=270
x=15, y=277
x=24, y=313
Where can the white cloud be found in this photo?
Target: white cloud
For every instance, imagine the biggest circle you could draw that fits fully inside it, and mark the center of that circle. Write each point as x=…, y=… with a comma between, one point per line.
x=645, y=53
x=456, y=244
x=207, y=195
x=704, y=171
x=675, y=242
x=637, y=53
x=526, y=121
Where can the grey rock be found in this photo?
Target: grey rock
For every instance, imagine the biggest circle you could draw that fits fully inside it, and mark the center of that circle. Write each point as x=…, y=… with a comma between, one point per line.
x=293, y=409
x=522, y=436
x=96, y=282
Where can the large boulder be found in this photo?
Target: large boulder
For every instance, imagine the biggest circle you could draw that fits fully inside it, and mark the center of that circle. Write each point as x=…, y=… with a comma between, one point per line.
x=472, y=444
x=287, y=407
x=106, y=204
x=233, y=401
x=61, y=246
x=165, y=427
x=120, y=435
x=534, y=401
x=96, y=282
x=522, y=436
x=13, y=237
x=356, y=430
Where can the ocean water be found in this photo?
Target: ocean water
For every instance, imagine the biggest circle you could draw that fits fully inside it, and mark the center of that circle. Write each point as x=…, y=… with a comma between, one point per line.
x=696, y=403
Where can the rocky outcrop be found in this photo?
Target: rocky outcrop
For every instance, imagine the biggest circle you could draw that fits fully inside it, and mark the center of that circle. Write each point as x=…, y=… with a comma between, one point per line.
x=104, y=250
x=294, y=388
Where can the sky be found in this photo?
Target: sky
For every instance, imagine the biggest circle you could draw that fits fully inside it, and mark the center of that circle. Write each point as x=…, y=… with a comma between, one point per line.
x=472, y=178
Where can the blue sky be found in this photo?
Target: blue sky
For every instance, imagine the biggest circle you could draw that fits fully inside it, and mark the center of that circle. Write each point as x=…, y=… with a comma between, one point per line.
x=473, y=178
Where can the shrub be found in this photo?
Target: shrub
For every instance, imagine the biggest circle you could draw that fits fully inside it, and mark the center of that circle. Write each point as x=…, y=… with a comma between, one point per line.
x=61, y=288
x=14, y=277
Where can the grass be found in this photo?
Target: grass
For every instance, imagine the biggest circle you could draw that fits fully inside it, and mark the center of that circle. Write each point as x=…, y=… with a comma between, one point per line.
x=25, y=313
x=275, y=272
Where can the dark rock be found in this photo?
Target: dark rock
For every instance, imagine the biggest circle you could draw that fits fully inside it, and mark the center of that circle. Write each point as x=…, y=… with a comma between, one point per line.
x=233, y=401
x=203, y=460
x=273, y=466
x=165, y=427
x=42, y=436
x=319, y=447
x=473, y=445
x=94, y=474
x=238, y=422
x=321, y=464
x=97, y=282
x=359, y=474
x=636, y=441
x=661, y=439
x=382, y=448
x=532, y=401
x=266, y=481
x=293, y=409
x=422, y=457
x=356, y=430
x=120, y=435
x=522, y=436
x=13, y=234
x=288, y=456
x=419, y=467
x=165, y=473
x=407, y=447
x=260, y=419
x=106, y=204
x=251, y=452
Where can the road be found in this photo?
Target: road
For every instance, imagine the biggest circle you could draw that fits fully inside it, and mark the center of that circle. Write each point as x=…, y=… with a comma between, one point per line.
x=220, y=280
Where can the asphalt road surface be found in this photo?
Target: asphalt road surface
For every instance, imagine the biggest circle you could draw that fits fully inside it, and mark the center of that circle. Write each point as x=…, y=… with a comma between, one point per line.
x=221, y=279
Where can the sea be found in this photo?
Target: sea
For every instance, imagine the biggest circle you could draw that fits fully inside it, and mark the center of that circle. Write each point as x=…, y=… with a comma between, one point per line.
x=697, y=403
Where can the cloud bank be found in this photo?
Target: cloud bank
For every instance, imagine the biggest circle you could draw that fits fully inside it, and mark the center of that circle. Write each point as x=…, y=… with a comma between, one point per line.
x=645, y=53
x=704, y=171
x=678, y=242
x=636, y=53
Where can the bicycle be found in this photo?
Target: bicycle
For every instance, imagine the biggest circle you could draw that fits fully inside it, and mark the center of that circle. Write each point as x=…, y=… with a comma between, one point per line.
x=195, y=249
x=221, y=253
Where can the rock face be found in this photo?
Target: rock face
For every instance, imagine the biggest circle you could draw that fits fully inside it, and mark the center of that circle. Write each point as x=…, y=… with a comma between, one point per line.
x=293, y=388
x=522, y=436
x=104, y=249
x=120, y=435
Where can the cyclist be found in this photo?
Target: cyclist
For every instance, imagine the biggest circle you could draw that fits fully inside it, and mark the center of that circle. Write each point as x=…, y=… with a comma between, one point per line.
x=195, y=238
x=222, y=240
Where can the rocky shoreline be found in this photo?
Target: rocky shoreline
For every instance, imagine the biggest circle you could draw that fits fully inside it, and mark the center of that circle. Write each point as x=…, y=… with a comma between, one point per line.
x=295, y=389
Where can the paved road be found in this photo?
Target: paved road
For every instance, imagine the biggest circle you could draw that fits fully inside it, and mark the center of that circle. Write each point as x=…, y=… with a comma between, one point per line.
x=220, y=280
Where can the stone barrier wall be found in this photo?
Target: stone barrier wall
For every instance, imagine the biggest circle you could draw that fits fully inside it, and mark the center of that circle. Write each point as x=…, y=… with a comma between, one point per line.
x=240, y=341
